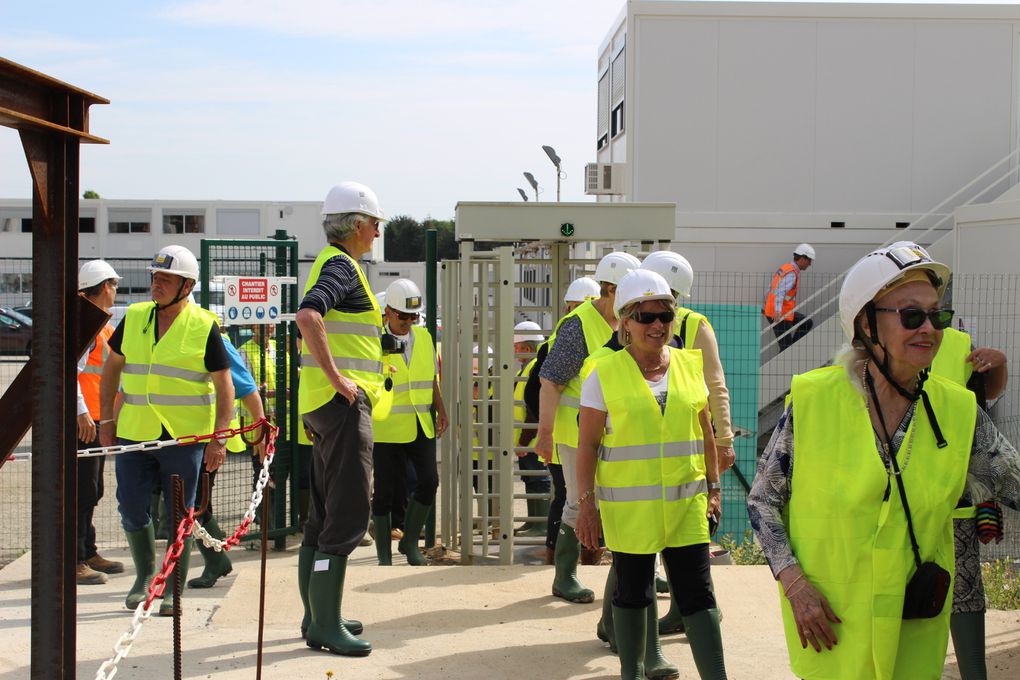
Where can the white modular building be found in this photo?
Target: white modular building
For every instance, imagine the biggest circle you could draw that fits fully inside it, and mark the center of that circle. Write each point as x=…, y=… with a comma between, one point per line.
x=771, y=124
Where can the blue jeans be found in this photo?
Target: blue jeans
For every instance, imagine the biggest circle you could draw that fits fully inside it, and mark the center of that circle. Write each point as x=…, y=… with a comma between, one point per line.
x=139, y=472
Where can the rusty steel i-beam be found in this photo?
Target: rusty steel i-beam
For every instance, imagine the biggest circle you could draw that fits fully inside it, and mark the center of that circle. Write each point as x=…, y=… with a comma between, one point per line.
x=52, y=119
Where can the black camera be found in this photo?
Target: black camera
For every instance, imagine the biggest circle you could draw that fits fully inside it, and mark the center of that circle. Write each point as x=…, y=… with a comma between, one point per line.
x=391, y=344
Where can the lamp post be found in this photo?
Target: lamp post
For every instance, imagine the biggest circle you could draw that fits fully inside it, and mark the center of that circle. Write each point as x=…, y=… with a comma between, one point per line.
x=523, y=195
x=533, y=182
x=551, y=153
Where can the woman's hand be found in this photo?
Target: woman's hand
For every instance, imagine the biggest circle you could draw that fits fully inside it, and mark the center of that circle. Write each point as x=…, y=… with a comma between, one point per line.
x=589, y=524
x=714, y=504
x=811, y=610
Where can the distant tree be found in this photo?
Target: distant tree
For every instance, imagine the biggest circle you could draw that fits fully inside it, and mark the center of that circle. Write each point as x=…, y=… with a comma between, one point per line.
x=89, y=193
x=446, y=241
x=404, y=240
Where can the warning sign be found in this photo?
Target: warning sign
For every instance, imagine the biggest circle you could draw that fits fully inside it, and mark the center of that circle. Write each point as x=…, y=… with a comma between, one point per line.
x=251, y=299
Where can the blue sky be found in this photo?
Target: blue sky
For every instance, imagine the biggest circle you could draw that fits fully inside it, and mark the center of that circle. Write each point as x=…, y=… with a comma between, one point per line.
x=428, y=102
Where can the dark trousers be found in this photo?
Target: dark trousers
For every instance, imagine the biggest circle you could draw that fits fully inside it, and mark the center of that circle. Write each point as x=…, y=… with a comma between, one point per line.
x=559, y=499
x=341, y=474
x=533, y=483
x=688, y=572
x=391, y=472
x=90, y=490
x=785, y=336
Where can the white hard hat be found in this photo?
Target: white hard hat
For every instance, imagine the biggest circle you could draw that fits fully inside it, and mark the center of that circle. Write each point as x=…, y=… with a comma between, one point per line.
x=95, y=272
x=475, y=357
x=673, y=267
x=806, y=250
x=404, y=295
x=640, y=285
x=528, y=331
x=352, y=197
x=613, y=266
x=876, y=271
x=175, y=260
x=582, y=289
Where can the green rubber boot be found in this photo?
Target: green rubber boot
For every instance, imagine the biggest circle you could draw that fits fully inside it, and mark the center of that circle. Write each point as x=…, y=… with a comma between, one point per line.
x=604, y=629
x=143, y=553
x=306, y=556
x=705, y=639
x=537, y=507
x=216, y=563
x=565, y=584
x=656, y=666
x=383, y=544
x=166, y=607
x=630, y=627
x=673, y=622
x=325, y=596
x=968, y=629
x=414, y=520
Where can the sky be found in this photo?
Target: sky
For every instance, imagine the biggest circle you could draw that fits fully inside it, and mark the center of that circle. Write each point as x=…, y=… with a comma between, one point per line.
x=429, y=102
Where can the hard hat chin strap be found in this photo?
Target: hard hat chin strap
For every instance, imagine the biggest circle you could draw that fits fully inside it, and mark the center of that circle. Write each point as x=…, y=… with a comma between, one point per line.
x=177, y=298
x=883, y=363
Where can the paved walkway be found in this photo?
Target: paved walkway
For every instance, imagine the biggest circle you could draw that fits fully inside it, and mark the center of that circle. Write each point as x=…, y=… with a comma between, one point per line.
x=447, y=623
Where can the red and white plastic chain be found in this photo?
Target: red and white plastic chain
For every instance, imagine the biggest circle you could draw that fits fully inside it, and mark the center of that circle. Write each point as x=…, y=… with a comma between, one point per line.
x=225, y=433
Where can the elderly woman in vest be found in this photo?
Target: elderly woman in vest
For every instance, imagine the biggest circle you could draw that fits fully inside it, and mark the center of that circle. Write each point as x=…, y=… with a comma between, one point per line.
x=854, y=507
x=646, y=456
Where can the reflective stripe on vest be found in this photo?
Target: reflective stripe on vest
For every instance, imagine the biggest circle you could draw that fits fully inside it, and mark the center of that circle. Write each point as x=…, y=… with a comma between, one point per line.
x=353, y=344
x=89, y=377
x=412, y=393
x=951, y=360
x=596, y=333
x=165, y=383
x=650, y=476
x=789, y=301
x=852, y=544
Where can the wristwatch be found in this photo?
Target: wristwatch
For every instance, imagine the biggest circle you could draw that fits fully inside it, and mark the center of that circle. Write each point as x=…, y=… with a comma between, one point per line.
x=714, y=486
x=221, y=441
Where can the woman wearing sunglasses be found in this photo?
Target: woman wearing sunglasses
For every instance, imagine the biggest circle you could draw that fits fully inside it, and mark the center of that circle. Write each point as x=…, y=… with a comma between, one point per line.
x=853, y=507
x=648, y=478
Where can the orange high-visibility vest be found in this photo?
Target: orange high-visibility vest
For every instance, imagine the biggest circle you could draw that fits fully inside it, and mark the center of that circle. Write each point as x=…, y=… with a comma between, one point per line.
x=88, y=379
x=790, y=301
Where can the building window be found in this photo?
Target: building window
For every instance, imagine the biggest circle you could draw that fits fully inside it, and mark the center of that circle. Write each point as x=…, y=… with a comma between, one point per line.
x=26, y=225
x=617, y=120
x=603, y=112
x=183, y=223
x=86, y=225
x=619, y=90
x=129, y=221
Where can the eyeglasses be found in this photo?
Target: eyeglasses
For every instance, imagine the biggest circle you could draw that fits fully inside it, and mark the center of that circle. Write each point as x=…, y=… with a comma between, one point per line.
x=405, y=316
x=912, y=318
x=645, y=318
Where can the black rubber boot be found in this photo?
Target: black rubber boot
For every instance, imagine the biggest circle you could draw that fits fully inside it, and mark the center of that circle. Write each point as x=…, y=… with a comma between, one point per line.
x=217, y=563
x=968, y=629
x=414, y=520
x=325, y=596
x=383, y=544
x=705, y=639
x=143, y=553
x=630, y=627
x=656, y=666
x=566, y=585
x=604, y=629
x=166, y=607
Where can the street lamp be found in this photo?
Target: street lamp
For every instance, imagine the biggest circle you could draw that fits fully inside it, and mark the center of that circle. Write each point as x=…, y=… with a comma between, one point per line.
x=551, y=153
x=523, y=195
x=533, y=182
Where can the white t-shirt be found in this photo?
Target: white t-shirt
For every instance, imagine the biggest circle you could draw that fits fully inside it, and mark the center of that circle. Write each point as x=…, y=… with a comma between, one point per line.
x=592, y=397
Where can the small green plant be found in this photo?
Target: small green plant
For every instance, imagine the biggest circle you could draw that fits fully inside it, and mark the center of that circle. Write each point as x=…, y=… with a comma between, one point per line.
x=746, y=552
x=1002, y=584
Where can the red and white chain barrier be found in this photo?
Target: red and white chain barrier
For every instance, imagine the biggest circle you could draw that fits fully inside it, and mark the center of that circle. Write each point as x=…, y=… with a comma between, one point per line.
x=187, y=526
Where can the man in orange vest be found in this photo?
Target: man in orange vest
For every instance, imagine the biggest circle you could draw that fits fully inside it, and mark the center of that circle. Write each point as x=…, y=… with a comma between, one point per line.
x=788, y=325
x=97, y=281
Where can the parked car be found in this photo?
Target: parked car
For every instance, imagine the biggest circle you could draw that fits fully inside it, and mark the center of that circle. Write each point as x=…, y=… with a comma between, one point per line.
x=24, y=310
x=15, y=332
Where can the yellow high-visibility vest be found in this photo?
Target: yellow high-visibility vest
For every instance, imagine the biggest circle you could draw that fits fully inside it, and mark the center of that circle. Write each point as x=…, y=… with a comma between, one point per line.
x=166, y=383
x=596, y=333
x=412, y=393
x=650, y=477
x=690, y=328
x=951, y=360
x=853, y=545
x=354, y=343
x=520, y=410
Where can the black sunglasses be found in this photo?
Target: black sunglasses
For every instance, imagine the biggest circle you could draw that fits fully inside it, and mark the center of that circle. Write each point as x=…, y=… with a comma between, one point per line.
x=913, y=318
x=645, y=318
x=406, y=316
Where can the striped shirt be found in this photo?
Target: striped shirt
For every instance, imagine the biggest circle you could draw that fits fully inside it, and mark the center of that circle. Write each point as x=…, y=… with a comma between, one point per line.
x=338, y=287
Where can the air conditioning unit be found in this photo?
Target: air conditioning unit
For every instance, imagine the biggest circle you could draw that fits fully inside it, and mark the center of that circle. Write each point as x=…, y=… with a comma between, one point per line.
x=601, y=179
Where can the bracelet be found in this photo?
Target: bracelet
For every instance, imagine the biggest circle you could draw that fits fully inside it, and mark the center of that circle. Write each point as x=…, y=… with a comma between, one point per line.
x=108, y=420
x=590, y=493
x=714, y=486
x=786, y=590
x=803, y=586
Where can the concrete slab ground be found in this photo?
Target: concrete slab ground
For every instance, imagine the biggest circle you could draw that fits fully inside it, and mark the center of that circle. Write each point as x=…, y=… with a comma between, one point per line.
x=447, y=623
